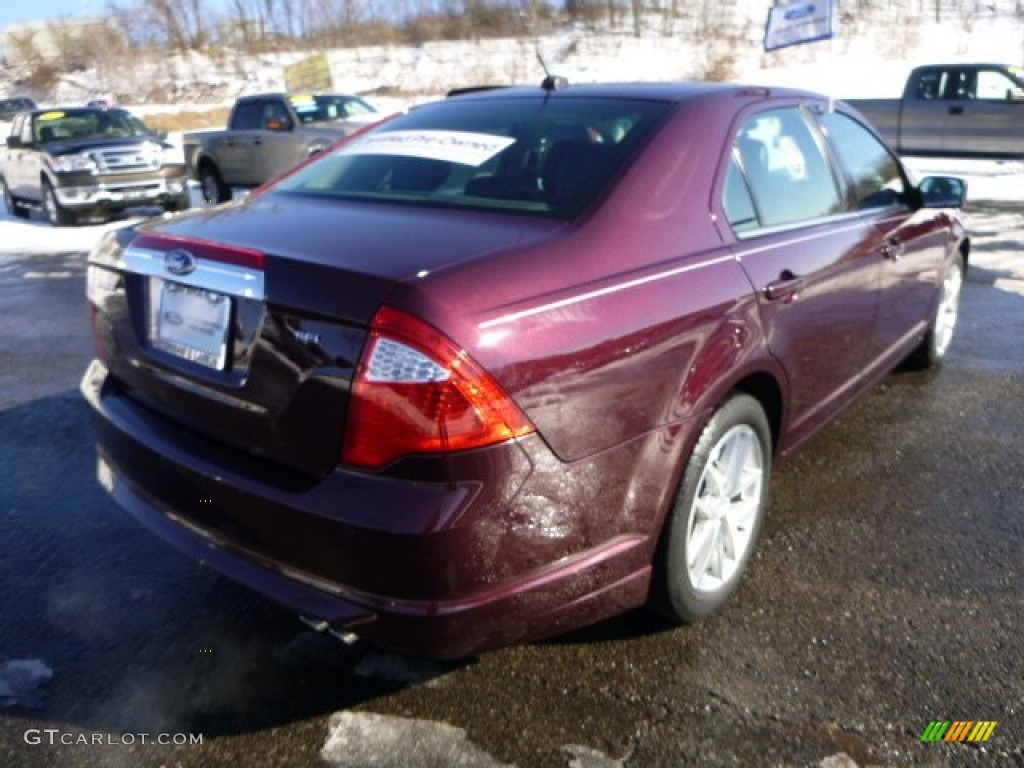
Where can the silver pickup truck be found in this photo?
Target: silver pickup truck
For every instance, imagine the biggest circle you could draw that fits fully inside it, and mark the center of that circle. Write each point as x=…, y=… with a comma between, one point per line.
x=953, y=110
x=267, y=134
x=79, y=162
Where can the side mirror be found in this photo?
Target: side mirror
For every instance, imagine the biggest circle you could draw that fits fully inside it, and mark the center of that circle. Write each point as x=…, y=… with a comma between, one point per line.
x=13, y=142
x=942, y=192
x=278, y=125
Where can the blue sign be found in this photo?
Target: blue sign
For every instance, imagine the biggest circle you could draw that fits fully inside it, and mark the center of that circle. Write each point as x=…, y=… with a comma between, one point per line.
x=792, y=23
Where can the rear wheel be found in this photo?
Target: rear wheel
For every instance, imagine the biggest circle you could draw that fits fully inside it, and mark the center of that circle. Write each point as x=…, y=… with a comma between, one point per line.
x=13, y=206
x=214, y=190
x=716, y=518
x=932, y=349
x=58, y=215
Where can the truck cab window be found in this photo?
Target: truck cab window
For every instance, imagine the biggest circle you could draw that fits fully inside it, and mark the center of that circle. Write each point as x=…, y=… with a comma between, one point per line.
x=931, y=85
x=996, y=86
x=246, y=117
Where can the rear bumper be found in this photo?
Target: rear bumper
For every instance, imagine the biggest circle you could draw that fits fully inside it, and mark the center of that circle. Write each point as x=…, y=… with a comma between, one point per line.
x=441, y=569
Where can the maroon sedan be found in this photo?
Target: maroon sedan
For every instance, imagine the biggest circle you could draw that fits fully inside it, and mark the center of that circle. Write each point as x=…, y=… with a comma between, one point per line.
x=518, y=360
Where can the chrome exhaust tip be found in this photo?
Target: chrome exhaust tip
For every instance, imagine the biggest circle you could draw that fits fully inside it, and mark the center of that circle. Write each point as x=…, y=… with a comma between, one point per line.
x=322, y=625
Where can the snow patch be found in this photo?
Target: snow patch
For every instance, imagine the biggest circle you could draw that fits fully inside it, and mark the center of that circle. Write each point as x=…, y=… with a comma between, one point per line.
x=585, y=757
x=367, y=740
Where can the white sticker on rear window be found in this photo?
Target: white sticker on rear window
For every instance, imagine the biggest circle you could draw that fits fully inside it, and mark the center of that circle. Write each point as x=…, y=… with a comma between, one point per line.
x=460, y=147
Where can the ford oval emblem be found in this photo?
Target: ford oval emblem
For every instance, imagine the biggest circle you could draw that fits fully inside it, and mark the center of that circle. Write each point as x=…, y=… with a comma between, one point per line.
x=800, y=12
x=179, y=262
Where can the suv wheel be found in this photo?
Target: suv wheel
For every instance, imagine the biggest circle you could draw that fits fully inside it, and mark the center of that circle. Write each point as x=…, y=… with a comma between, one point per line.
x=13, y=206
x=58, y=215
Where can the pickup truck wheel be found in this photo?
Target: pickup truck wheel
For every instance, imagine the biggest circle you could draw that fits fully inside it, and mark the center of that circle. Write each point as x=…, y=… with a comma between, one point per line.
x=932, y=349
x=713, y=525
x=13, y=207
x=58, y=215
x=212, y=185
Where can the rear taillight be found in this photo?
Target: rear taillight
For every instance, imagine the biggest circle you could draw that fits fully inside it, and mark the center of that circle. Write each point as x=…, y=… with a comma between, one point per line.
x=416, y=391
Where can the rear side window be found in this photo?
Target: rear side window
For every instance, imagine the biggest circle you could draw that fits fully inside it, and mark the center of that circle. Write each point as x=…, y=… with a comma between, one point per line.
x=785, y=169
x=737, y=202
x=872, y=169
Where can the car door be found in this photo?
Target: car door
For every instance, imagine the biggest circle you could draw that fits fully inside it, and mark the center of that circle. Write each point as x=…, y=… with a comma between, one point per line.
x=986, y=114
x=277, y=147
x=923, y=112
x=26, y=162
x=233, y=149
x=908, y=249
x=813, y=267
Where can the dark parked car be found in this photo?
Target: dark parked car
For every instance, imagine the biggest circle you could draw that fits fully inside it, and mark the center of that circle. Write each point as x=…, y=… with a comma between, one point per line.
x=515, y=361
x=10, y=107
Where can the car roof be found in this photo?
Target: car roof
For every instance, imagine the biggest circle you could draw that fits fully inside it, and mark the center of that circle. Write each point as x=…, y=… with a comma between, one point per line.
x=651, y=91
x=291, y=94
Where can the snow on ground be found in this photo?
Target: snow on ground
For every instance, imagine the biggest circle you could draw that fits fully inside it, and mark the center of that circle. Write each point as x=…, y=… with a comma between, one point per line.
x=853, y=65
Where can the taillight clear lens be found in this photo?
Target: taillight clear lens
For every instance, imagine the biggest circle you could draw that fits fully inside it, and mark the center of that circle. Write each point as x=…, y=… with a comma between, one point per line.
x=416, y=391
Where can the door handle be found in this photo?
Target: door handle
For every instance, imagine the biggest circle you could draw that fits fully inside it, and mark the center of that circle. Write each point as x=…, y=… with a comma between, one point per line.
x=892, y=249
x=956, y=110
x=785, y=288
x=257, y=141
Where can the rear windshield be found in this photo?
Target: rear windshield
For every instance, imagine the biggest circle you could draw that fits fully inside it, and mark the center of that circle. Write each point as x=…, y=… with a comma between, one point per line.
x=61, y=124
x=518, y=155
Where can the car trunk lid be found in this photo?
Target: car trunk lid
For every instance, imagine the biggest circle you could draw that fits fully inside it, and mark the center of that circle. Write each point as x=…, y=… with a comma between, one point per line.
x=247, y=323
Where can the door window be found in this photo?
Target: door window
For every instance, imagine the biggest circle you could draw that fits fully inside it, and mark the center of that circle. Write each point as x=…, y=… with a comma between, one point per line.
x=247, y=116
x=785, y=168
x=873, y=171
x=996, y=86
x=275, y=116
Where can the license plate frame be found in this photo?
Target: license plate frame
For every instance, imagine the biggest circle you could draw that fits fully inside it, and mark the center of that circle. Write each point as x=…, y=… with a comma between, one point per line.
x=191, y=323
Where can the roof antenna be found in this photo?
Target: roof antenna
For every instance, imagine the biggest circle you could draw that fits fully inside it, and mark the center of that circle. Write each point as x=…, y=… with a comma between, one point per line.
x=550, y=82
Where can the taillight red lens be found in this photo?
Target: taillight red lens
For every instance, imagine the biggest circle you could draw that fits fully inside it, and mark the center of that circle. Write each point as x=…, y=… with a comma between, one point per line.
x=415, y=391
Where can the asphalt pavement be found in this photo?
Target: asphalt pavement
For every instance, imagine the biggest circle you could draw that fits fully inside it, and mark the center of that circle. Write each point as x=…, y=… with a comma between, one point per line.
x=886, y=593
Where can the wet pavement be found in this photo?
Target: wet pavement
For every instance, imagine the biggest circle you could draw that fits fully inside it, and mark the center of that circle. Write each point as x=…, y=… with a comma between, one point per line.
x=886, y=593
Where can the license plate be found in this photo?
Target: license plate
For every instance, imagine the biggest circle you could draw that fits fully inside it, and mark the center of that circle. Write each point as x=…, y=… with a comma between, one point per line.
x=193, y=323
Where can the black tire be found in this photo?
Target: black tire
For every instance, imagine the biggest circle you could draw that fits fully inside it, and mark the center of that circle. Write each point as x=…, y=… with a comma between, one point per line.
x=58, y=215
x=933, y=347
x=180, y=203
x=722, y=513
x=212, y=186
x=13, y=206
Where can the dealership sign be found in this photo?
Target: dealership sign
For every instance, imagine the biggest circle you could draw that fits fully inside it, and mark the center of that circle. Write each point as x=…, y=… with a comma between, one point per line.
x=792, y=23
